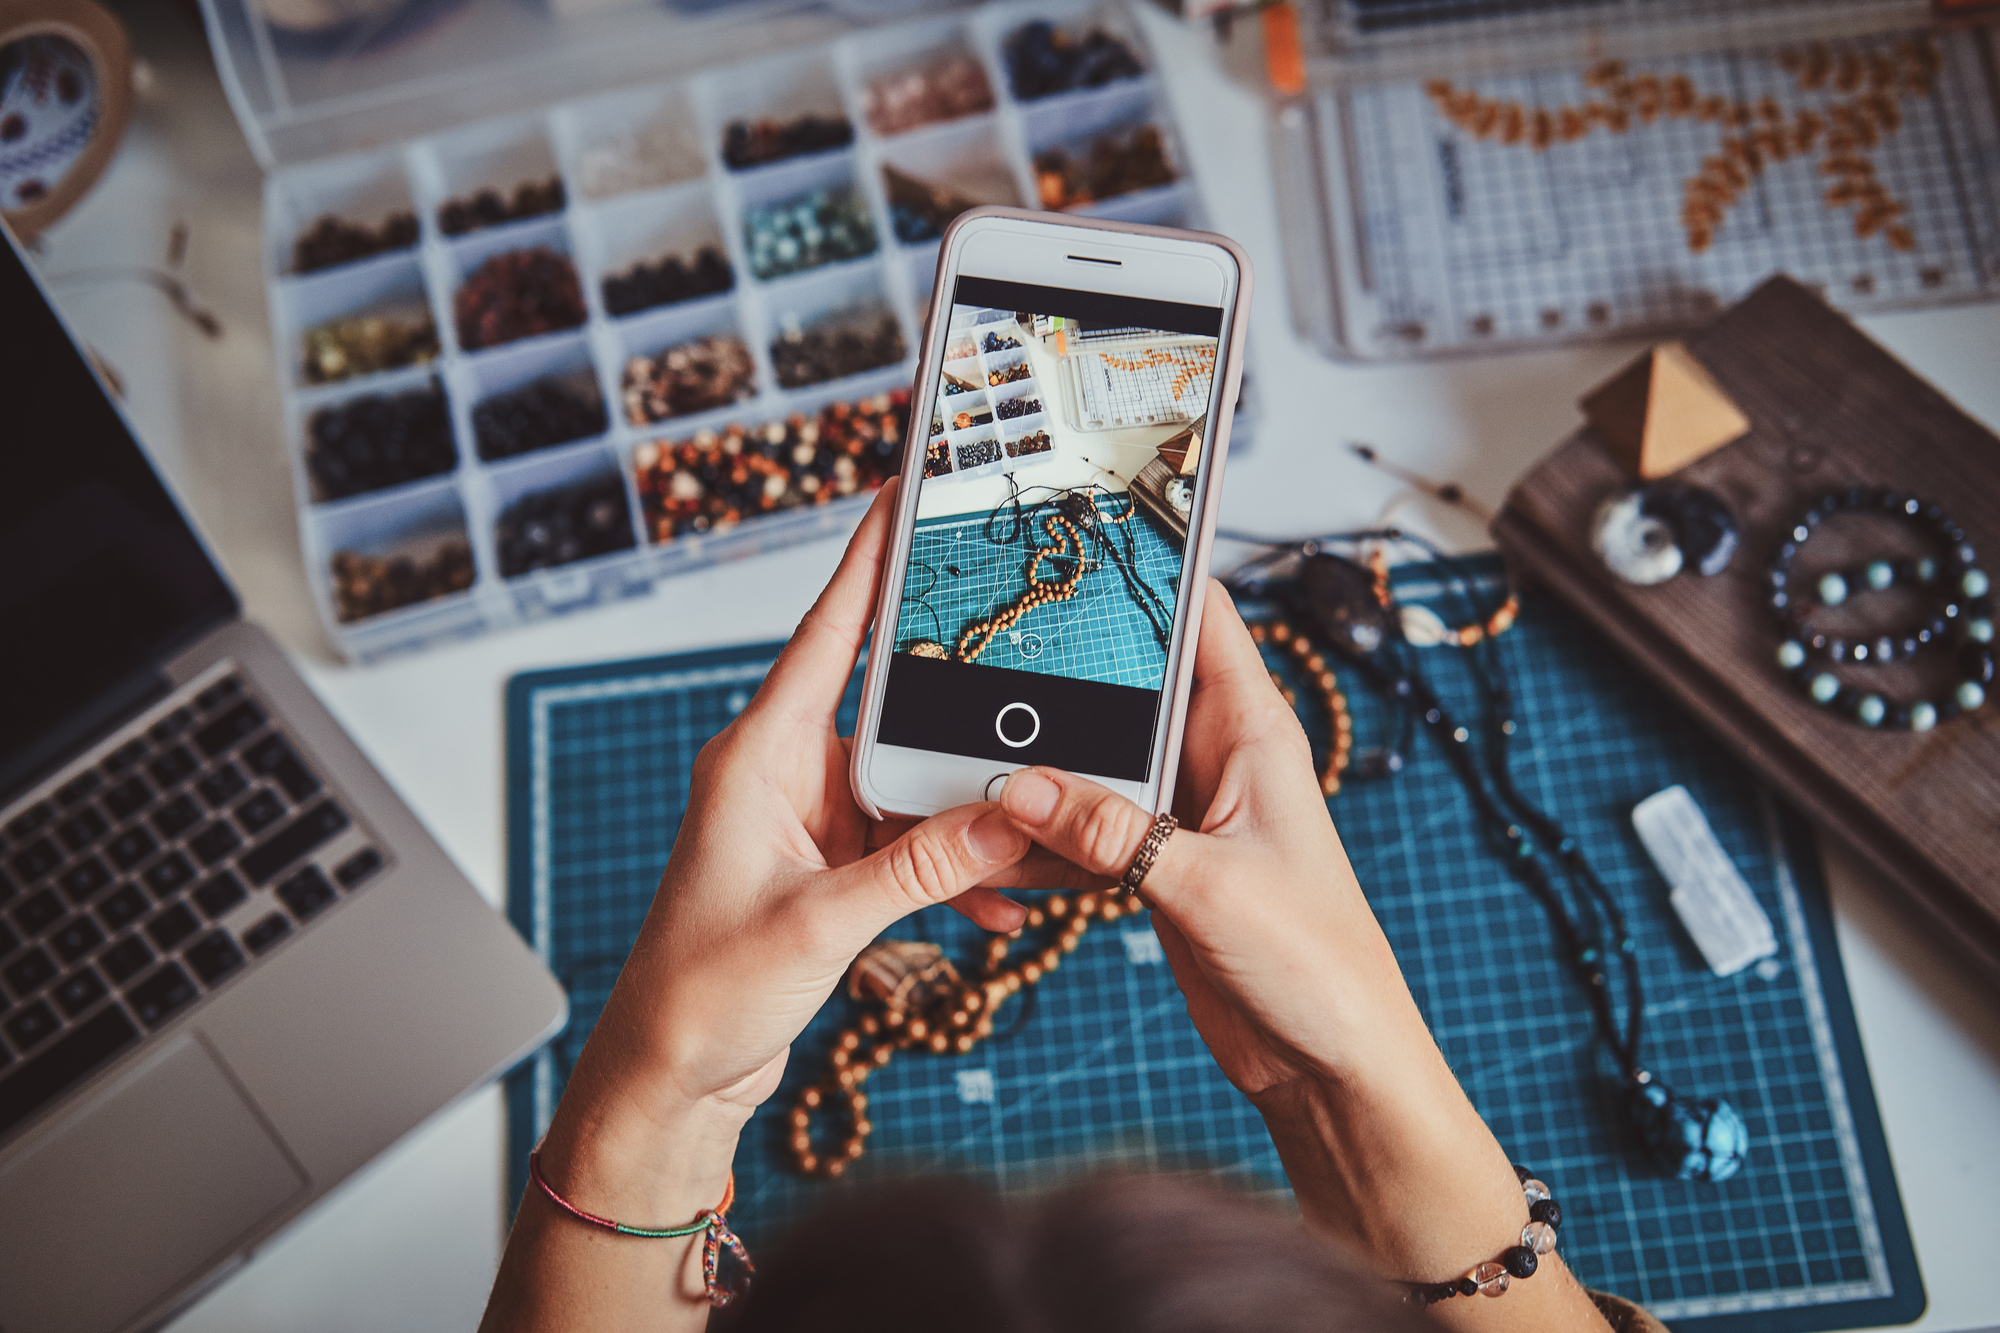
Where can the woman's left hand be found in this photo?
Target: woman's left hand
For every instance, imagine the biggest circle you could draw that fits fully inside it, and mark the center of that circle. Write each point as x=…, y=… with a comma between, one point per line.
x=771, y=892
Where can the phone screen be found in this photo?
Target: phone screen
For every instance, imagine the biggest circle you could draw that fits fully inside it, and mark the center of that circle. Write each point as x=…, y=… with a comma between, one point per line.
x=1044, y=577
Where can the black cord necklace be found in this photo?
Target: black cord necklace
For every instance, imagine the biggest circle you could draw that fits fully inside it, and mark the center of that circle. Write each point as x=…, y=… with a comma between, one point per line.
x=1695, y=1138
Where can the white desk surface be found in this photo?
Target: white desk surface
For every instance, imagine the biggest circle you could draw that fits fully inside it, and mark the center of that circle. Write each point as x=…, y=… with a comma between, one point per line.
x=412, y=1242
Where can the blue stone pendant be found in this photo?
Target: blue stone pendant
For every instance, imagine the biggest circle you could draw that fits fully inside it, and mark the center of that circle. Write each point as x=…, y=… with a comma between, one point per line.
x=1695, y=1138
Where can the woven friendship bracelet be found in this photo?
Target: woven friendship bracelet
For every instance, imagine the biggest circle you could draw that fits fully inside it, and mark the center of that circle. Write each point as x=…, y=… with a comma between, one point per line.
x=709, y=1221
x=1149, y=851
x=1516, y=1261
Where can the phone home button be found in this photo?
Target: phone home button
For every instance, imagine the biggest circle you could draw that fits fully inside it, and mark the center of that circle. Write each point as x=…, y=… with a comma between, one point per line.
x=994, y=785
x=1001, y=726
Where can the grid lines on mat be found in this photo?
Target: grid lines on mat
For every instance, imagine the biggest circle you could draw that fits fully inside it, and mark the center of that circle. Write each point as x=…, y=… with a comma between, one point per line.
x=1099, y=1065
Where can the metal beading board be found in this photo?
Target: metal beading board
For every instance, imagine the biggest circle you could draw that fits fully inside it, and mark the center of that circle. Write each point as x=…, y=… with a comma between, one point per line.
x=1101, y=1067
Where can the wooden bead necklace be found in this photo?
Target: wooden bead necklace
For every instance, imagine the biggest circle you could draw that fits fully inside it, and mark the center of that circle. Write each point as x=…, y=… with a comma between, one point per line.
x=1066, y=542
x=917, y=1001
x=1340, y=743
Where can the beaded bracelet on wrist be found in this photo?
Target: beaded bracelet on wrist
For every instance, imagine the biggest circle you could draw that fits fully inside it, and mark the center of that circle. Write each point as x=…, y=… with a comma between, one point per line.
x=1962, y=619
x=1493, y=1277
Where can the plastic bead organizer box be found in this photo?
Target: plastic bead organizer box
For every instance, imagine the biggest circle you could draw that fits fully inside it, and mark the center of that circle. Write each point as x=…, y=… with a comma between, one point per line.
x=303, y=114
x=1099, y=1067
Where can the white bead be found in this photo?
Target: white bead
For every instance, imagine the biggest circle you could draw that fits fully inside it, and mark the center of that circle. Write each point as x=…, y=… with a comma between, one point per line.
x=1979, y=629
x=1791, y=656
x=1539, y=1237
x=1923, y=716
x=1975, y=583
x=1832, y=589
x=1971, y=694
x=1870, y=711
x=1824, y=687
x=1880, y=574
x=1492, y=1279
x=1535, y=1191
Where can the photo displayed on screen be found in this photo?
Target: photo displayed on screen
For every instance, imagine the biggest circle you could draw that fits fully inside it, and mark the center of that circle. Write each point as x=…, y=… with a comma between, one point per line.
x=1045, y=572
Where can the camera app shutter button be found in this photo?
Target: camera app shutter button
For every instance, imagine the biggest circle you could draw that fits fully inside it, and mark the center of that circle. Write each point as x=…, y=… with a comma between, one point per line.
x=1033, y=726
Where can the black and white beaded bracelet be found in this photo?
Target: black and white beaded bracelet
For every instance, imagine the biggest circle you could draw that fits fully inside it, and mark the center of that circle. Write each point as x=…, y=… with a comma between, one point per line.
x=1493, y=1277
x=1961, y=619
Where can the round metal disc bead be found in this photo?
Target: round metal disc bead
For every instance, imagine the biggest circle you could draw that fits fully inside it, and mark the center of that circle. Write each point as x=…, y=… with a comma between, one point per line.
x=1974, y=583
x=1832, y=589
x=1871, y=710
x=1979, y=629
x=1519, y=1261
x=1791, y=655
x=1880, y=574
x=1923, y=716
x=1825, y=687
x=1969, y=695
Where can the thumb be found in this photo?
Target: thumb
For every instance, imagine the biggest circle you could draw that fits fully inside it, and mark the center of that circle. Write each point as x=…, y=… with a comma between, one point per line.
x=1093, y=827
x=941, y=858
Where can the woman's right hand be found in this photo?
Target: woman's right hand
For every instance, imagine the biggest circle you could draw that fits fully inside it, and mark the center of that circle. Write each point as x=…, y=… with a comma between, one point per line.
x=1293, y=986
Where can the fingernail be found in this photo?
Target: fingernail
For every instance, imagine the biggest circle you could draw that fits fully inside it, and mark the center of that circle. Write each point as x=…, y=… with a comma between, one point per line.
x=1029, y=797
x=993, y=839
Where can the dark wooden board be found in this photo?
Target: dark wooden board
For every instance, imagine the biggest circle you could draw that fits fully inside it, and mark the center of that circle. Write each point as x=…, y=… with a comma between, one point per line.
x=1828, y=408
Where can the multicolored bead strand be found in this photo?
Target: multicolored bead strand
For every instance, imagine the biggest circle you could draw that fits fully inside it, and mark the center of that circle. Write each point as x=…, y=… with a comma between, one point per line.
x=708, y=1223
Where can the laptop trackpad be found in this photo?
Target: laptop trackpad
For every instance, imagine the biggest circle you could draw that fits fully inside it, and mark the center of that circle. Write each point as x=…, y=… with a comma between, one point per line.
x=152, y=1182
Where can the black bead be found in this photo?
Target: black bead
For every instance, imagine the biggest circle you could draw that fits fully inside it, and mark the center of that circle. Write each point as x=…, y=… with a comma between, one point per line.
x=1546, y=1210
x=1522, y=1173
x=1519, y=1261
x=1899, y=717
x=1975, y=662
x=1467, y=1287
x=1948, y=708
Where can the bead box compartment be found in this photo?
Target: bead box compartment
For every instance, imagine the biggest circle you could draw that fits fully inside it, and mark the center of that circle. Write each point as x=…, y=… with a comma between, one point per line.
x=967, y=461
x=670, y=194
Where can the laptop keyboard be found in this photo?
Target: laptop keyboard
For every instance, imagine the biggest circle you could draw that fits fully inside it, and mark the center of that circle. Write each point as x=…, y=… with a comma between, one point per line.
x=160, y=872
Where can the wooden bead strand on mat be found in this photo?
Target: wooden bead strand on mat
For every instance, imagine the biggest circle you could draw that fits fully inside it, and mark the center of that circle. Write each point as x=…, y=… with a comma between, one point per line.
x=1340, y=743
x=924, y=1005
x=1067, y=541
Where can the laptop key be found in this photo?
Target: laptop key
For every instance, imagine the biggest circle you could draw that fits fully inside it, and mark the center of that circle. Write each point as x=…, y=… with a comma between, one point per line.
x=75, y=938
x=219, y=894
x=124, y=959
x=222, y=786
x=177, y=816
x=124, y=907
x=261, y=864
x=276, y=759
x=38, y=913
x=78, y=991
x=260, y=811
x=78, y=788
x=173, y=925
x=38, y=858
x=173, y=767
x=29, y=973
x=267, y=933
x=170, y=726
x=35, y=816
x=31, y=1026
x=126, y=755
x=213, y=956
x=214, y=842
x=128, y=797
x=131, y=847
x=63, y=1063
x=161, y=995
x=239, y=724
x=307, y=893
x=82, y=881
x=358, y=867
x=169, y=875
x=213, y=697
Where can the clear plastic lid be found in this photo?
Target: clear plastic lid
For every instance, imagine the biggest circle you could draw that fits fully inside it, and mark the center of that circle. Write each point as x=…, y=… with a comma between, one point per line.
x=426, y=65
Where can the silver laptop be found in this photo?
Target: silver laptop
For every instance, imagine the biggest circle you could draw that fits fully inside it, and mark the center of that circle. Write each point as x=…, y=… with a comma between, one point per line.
x=233, y=966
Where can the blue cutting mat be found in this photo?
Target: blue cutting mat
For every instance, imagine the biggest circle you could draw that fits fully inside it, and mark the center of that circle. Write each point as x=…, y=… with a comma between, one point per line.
x=965, y=568
x=1101, y=1066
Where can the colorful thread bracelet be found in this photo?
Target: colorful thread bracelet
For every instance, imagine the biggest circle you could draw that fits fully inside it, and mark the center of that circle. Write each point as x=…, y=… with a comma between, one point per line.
x=1493, y=1277
x=708, y=1223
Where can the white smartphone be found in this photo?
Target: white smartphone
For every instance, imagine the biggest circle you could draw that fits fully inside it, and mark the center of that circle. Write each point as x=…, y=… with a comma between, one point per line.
x=1042, y=593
